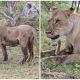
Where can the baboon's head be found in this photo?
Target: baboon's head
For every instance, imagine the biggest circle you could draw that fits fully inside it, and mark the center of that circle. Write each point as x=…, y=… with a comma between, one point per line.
x=58, y=22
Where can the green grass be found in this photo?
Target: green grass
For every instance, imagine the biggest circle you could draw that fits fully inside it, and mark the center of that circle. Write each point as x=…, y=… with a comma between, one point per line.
x=72, y=69
x=3, y=22
x=13, y=70
x=44, y=19
x=45, y=42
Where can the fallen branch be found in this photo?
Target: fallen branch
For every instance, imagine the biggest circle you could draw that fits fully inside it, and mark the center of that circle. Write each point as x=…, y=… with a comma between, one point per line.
x=12, y=20
x=54, y=57
x=53, y=73
x=48, y=53
x=60, y=75
x=5, y=15
x=63, y=58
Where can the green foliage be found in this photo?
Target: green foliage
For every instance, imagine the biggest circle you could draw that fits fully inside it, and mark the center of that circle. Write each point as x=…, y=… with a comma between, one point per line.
x=63, y=4
x=72, y=69
x=20, y=5
x=3, y=22
x=44, y=19
x=46, y=5
x=48, y=66
x=45, y=42
x=2, y=3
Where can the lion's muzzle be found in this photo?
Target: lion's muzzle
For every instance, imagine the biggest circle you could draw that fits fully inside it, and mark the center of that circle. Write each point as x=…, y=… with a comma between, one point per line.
x=51, y=36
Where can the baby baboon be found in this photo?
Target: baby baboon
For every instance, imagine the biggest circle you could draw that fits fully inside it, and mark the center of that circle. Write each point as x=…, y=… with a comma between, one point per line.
x=57, y=45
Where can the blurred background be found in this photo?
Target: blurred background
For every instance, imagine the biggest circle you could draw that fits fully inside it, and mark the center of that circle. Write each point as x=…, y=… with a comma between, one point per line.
x=14, y=13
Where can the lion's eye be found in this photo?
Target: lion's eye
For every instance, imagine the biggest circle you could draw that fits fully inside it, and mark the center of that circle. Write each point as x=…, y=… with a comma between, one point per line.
x=57, y=21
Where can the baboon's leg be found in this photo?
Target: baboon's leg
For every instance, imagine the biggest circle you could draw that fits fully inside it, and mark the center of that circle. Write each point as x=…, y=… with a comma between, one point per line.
x=58, y=47
x=30, y=46
x=25, y=55
x=67, y=50
x=4, y=52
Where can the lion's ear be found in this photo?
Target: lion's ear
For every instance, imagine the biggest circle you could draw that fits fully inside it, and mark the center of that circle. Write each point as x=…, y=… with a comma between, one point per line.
x=72, y=9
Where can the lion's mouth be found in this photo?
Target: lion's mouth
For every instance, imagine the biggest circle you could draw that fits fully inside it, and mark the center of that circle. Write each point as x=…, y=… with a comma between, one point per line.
x=49, y=35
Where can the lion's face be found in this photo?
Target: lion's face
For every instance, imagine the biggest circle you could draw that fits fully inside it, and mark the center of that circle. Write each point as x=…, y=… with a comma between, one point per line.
x=57, y=23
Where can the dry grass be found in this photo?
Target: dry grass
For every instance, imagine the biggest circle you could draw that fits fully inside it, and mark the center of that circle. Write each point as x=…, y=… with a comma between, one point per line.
x=13, y=70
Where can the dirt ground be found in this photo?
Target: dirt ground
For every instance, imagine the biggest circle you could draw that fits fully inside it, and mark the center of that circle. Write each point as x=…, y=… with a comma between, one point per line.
x=13, y=70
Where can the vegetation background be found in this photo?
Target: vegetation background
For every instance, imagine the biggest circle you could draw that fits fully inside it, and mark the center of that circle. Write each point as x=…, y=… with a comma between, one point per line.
x=71, y=69
x=12, y=69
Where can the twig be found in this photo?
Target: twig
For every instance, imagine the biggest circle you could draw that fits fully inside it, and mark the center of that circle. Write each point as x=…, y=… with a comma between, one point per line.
x=6, y=16
x=53, y=57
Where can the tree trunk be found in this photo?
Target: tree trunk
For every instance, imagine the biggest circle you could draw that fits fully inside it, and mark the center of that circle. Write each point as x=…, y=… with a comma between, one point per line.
x=75, y=4
x=11, y=12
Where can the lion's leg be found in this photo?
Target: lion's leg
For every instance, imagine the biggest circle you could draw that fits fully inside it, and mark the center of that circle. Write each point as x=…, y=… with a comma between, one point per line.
x=30, y=46
x=66, y=58
x=4, y=52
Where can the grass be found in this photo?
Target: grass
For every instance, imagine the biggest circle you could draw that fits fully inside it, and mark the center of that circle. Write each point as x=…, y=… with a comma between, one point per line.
x=72, y=69
x=13, y=70
x=46, y=42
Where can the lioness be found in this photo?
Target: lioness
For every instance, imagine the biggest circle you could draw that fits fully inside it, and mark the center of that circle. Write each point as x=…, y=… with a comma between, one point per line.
x=65, y=22
x=22, y=35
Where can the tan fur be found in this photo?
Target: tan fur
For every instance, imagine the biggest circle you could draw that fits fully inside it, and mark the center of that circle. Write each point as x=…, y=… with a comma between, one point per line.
x=65, y=23
x=22, y=35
